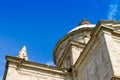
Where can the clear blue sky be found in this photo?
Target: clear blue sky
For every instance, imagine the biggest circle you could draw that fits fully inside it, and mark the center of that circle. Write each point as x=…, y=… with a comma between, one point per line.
x=39, y=24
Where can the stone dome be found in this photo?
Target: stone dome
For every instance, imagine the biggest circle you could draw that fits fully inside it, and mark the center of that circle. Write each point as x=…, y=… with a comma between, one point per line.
x=79, y=36
x=83, y=24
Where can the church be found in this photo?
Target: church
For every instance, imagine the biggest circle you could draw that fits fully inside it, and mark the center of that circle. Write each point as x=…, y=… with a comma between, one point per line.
x=87, y=52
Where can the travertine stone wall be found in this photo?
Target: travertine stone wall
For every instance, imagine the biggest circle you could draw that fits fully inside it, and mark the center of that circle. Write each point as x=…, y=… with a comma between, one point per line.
x=67, y=60
x=96, y=65
x=78, y=37
x=16, y=71
x=14, y=74
x=75, y=53
x=61, y=50
x=113, y=43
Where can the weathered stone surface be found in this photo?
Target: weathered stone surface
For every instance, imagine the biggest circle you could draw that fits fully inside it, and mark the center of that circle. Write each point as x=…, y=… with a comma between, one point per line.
x=17, y=69
x=78, y=56
x=100, y=59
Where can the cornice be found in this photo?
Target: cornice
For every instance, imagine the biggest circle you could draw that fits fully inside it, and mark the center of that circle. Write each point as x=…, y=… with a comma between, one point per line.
x=33, y=65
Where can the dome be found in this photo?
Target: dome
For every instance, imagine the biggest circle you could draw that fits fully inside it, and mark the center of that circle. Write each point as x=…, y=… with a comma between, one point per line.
x=83, y=24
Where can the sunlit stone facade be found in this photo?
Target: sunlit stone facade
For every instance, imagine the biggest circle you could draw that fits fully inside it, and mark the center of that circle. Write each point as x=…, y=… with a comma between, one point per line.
x=88, y=52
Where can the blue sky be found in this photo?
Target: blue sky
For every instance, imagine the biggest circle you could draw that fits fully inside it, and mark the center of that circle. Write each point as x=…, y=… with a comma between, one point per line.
x=39, y=24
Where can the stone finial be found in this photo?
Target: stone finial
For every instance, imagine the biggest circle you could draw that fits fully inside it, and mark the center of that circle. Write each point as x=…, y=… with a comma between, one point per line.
x=84, y=21
x=23, y=54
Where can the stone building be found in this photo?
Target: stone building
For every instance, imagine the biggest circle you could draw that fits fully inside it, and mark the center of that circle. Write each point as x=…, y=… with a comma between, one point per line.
x=87, y=52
